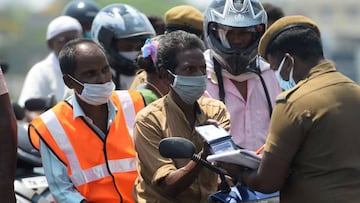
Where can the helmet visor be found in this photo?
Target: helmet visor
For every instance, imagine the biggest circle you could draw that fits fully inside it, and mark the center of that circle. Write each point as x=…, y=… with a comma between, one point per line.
x=235, y=39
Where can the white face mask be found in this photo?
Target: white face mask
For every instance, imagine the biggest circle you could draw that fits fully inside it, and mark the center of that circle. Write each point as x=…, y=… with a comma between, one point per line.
x=130, y=55
x=95, y=94
x=285, y=85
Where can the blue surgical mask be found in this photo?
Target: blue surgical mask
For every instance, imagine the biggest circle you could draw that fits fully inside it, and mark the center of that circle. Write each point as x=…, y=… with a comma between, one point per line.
x=87, y=34
x=95, y=94
x=189, y=88
x=285, y=85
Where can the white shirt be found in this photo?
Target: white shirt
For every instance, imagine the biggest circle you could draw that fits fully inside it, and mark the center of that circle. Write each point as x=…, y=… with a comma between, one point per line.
x=44, y=79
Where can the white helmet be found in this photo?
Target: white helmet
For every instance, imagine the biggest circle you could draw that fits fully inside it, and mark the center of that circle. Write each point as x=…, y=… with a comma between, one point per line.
x=224, y=15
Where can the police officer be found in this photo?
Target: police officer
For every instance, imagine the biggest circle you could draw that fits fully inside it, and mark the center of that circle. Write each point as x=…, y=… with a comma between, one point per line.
x=312, y=150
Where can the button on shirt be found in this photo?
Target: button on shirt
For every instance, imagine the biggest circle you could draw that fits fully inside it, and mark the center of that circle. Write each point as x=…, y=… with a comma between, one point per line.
x=249, y=118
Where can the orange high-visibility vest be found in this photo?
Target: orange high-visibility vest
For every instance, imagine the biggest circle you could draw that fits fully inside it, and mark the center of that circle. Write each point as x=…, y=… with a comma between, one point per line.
x=102, y=171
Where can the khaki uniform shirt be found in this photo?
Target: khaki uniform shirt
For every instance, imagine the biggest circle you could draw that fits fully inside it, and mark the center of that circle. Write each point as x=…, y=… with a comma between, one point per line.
x=161, y=119
x=315, y=126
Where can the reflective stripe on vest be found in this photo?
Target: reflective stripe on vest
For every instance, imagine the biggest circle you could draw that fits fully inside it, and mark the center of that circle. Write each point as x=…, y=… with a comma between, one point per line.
x=79, y=176
x=128, y=109
x=100, y=171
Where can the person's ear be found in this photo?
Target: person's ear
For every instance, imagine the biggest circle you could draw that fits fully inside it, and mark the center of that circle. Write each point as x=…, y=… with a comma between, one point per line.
x=162, y=73
x=288, y=63
x=50, y=44
x=72, y=84
x=68, y=81
x=165, y=75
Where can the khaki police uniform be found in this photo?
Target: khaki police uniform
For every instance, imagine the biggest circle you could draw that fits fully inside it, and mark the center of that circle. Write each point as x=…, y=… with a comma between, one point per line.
x=315, y=126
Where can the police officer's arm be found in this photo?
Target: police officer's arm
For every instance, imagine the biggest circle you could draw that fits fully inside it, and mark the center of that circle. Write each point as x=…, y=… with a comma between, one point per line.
x=8, y=142
x=286, y=135
x=268, y=178
x=270, y=175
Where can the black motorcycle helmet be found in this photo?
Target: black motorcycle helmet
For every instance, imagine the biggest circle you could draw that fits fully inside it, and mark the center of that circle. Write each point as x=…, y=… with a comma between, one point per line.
x=120, y=21
x=84, y=11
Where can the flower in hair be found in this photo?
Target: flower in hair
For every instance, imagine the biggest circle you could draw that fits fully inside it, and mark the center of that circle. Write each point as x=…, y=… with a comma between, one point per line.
x=150, y=49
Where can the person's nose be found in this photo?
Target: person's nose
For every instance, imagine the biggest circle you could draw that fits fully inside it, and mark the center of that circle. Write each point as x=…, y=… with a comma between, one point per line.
x=239, y=38
x=104, y=78
x=200, y=71
x=238, y=41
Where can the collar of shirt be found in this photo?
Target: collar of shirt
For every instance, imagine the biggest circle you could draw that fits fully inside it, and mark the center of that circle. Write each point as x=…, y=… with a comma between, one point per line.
x=322, y=68
x=197, y=108
x=314, y=72
x=78, y=112
x=178, y=124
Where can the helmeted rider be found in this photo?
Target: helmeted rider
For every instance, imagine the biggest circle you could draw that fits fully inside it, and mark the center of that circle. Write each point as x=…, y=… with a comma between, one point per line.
x=232, y=30
x=84, y=11
x=122, y=30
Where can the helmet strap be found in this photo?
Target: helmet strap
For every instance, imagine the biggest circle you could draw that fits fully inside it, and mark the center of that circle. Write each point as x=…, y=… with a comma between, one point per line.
x=217, y=69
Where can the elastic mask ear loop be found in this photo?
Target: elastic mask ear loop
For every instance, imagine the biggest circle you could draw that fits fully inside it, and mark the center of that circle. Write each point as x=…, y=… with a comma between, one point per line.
x=78, y=82
x=292, y=68
x=175, y=78
x=281, y=65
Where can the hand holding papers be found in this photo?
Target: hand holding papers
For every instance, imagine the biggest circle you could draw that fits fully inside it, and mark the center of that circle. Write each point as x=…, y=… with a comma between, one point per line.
x=217, y=137
x=223, y=148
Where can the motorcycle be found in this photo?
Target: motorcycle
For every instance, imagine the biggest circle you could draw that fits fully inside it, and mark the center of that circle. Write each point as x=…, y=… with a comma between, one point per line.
x=181, y=148
x=30, y=182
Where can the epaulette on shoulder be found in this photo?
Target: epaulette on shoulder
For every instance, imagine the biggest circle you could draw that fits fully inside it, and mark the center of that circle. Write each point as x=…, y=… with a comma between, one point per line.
x=281, y=97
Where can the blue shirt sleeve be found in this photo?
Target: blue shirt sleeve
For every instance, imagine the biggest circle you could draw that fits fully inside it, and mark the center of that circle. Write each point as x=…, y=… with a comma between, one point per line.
x=56, y=174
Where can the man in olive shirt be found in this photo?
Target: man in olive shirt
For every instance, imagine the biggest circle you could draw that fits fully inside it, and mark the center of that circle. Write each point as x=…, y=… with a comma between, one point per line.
x=312, y=151
x=182, y=64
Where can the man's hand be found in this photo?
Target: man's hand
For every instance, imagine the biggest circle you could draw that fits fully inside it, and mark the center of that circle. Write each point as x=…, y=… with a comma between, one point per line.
x=236, y=171
x=212, y=122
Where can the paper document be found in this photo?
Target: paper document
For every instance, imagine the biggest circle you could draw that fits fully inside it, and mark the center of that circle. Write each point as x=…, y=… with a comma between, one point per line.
x=212, y=133
x=217, y=137
x=241, y=157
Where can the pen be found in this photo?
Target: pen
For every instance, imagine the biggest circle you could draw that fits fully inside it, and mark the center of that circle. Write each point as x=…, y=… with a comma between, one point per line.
x=260, y=150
